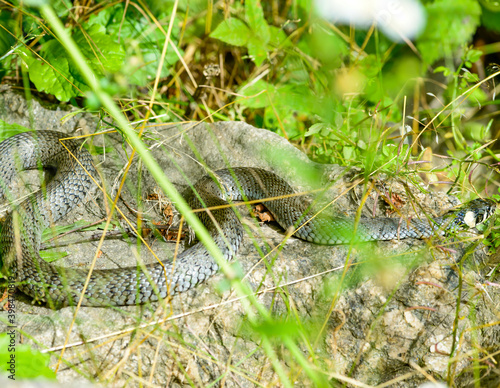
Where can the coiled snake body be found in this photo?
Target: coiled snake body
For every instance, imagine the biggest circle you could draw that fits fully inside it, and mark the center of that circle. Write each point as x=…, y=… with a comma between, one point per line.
x=21, y=232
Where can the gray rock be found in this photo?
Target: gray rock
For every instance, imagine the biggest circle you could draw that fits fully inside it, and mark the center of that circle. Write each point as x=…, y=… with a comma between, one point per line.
x=390, y=314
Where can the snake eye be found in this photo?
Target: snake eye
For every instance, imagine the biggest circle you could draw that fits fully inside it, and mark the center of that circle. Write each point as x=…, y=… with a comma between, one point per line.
x=485, y=214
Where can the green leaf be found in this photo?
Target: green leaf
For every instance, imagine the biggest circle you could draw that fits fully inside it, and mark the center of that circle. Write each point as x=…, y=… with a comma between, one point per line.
x=315, y=128
x=50, y=256
x=52, y=76
x=102, y=52
x=470, y=77
x=297, y=97
x=6, y=30
x=278, y=329
x=56, y=74
x=324, y=44
x=491, y=5
x=29, y=363
x=262, y=92
x=257, y=50
x=450, y=24
x=371, y=66
x=278, y=37
x=446, y=72
x=7, y=130
x=255, y=18
x=142, y=41
x=59, y=229
x=232, y=31
x=491, y=19
x=473, y=55
x=348, y=152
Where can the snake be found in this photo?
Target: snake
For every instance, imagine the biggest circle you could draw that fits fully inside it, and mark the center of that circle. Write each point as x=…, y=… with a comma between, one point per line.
x=73, y=175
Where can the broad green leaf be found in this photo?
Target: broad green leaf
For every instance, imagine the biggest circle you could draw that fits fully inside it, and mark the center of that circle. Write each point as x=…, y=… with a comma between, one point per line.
x=232, y=31
x=470, y=77
x=296, y=97
x=315, y=128
x=324, y=44
x=278, y=329
x=450, y=24
x=6, y=31
x=102, y=52
x=474, y=55
x=50, y=256
x=142, y=40
x=371, y=66
x=491, y=19
x=278, y=37
x=254, y=15
x=257, y=50
x=53, y=77
x=348, y=152
x=29, y=363
x=7, y=130
x=56, y=74
x=259, y=93
x=491, y=5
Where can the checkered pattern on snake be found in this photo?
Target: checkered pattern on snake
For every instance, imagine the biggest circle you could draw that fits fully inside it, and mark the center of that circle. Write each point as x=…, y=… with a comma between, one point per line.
x=20, y=240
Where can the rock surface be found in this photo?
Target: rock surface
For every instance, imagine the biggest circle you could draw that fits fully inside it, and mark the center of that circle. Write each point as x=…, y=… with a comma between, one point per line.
x=395, y=316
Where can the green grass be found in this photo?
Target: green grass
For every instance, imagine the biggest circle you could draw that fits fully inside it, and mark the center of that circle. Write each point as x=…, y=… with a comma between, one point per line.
x=342, y=95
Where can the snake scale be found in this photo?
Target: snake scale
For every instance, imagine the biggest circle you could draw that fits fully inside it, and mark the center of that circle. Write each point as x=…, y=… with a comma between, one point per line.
x=20, y=240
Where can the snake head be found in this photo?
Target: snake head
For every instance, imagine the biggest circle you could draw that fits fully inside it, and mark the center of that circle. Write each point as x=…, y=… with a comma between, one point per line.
x=473, y=213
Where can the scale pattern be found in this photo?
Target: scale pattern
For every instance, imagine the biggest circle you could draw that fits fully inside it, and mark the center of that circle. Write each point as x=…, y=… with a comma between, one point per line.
x=128, y=286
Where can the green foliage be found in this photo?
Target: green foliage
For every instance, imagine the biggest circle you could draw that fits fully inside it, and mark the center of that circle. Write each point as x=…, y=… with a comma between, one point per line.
x=29, y=363
x=7, y=130
x=338, y=92
x=307, y=102
x=450, y=25
x=232, y=31
x=344, y=94
x=491, y=19
x=54, y=73
x=7, y=41
x=125, y=48
x=341, y=93
x=256, y=34
x=140, y=42
x=7, y=38
x=51, y=255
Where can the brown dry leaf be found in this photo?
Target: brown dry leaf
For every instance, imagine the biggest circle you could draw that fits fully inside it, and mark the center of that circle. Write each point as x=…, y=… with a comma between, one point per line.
x=167, y=233
x=172, y=235
x=260, y=212
x=146, y=232
x=168, y=213
x=396, y=201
